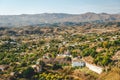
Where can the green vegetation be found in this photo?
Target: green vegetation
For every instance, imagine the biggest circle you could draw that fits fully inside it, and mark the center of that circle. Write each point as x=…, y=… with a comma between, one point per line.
x=48, y=53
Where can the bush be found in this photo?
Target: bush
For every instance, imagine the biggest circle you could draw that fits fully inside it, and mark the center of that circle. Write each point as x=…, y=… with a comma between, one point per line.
x=28, y=73
x=89, y=51
x=56, y=66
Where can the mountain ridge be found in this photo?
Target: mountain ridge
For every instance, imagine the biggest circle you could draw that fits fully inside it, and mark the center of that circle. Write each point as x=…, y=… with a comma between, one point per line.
x=33, y=19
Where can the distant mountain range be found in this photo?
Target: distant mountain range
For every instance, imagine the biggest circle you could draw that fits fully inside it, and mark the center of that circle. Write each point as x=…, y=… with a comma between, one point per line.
x=51, y=18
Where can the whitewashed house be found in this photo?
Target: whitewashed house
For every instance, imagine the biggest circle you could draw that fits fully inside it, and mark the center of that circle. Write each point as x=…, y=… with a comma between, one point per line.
x=78, y=63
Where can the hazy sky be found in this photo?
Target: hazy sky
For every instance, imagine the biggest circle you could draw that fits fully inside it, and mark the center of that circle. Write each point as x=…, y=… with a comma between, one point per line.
x=11, y=7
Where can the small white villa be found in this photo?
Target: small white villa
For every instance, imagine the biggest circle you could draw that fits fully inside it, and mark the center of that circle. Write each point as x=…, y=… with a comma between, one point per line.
x=78, y=63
